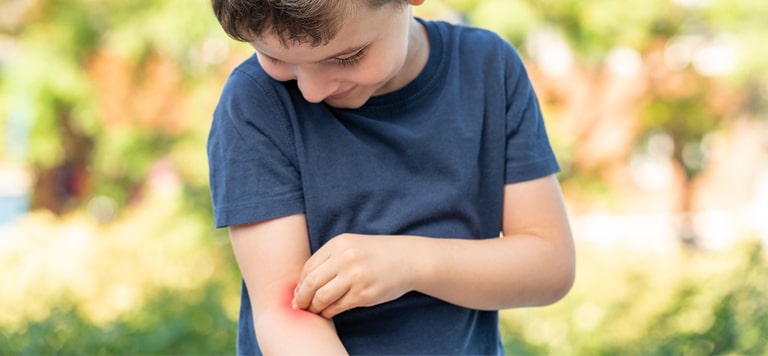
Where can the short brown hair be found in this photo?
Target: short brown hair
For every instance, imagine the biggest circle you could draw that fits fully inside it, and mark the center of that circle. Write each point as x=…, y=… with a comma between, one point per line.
x=296, y=21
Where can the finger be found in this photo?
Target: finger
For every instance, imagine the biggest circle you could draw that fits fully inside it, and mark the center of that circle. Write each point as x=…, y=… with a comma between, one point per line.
x=338, y=307
x=324, y=253
x=317, y=259
x=311, y=283
x=330, y=294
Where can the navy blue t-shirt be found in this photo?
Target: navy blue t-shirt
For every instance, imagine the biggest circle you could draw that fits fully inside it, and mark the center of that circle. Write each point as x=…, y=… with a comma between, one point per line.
x=429, y=159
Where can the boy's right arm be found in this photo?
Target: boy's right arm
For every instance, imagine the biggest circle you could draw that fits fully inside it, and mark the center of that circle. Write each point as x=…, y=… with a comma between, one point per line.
x=270, y=255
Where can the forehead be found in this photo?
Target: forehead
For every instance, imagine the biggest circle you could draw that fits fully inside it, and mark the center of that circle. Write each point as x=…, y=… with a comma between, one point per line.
x=309, y=21
x=365, y=27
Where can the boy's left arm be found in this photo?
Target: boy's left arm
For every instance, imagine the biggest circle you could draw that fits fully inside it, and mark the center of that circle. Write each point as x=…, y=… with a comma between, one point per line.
x=532, y=264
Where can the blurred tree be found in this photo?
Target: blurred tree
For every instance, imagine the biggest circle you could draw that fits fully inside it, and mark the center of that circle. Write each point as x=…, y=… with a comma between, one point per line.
x=614, y=75
x=114, y=86
x=117, y=94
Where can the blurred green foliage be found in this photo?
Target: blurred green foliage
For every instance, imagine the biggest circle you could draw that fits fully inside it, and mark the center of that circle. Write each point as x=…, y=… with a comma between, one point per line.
x=156, y=280
x=107, y=79
x=650, y=303
x=160, y=293
x=115, y=97
x=593, y=29
x=169, y=323
x=112, y=86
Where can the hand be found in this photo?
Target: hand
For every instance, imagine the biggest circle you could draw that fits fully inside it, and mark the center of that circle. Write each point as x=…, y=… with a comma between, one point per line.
x=353, y=271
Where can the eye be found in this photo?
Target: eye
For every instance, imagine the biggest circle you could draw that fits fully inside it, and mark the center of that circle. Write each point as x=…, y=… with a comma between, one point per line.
x=351, y=60
x=273, y=60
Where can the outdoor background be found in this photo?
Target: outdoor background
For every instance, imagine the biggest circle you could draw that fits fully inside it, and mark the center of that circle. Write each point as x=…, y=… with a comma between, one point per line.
x=658, y=110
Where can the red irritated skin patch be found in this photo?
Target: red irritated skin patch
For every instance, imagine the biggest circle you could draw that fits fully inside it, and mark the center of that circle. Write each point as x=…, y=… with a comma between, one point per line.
x=286, y=302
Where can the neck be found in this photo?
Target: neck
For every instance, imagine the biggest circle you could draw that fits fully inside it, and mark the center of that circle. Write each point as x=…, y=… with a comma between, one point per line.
x=415, y=59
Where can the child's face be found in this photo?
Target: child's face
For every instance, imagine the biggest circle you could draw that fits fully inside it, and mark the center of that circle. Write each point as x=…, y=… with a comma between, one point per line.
x=366, y=58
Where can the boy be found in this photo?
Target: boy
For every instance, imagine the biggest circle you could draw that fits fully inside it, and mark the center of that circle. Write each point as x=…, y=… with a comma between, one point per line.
x=365, y=162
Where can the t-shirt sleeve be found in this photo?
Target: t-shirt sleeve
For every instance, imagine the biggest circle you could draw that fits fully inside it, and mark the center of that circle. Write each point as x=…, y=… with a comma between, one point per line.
x=252, y=163
x=529, y=154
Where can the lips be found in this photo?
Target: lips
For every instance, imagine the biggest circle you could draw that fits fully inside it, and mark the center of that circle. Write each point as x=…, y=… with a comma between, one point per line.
x=341, y=95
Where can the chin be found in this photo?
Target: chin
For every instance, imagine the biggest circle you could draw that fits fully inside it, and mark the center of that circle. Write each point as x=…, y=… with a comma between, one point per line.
x=348, y=103
x=350, y=106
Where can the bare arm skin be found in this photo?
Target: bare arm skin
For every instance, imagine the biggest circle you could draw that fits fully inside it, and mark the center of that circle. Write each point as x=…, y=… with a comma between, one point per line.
x=532, y=264
x=270, y=255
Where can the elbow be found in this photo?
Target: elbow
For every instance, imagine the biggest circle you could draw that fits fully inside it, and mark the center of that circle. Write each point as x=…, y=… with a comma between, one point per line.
x=555, y=291
x=564, y=285
x=563, y=278
x=563, y=274
x=555, y=278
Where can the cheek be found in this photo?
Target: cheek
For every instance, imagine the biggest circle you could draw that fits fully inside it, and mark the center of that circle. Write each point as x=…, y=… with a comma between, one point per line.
x=374, y=72
x=279, y=72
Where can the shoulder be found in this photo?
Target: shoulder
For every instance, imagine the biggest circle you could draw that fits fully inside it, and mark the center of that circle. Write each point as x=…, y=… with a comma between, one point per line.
x=252, y=103
x=470, y=37
x=480, y=45
x=249, y=94
x=248, y=79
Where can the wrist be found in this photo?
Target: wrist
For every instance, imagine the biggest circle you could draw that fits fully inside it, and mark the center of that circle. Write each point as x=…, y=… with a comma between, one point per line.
x=420, y=263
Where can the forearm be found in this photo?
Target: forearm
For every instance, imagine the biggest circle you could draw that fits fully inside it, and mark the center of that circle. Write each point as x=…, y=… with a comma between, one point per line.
x=282, y=334
x=498, y=273
x=270, y=255
x=281, y=329
x=532, y=265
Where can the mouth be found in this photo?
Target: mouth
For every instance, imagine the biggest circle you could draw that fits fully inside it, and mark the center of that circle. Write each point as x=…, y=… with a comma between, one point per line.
x=341, y=95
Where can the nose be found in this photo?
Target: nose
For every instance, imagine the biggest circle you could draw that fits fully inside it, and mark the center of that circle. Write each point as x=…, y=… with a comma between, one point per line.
x=314, y=85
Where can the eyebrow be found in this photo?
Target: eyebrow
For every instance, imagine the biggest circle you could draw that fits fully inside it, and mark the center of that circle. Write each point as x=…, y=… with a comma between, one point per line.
x=349, y=50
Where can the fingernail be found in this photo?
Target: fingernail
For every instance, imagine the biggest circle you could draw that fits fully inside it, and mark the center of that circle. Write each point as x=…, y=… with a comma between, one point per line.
x=294, y=305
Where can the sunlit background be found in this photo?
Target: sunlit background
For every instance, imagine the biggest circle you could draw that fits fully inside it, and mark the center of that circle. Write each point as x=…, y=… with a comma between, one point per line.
x=658, y=111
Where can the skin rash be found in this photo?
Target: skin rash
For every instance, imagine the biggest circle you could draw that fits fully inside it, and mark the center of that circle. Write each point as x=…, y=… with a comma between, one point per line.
x=286, y=302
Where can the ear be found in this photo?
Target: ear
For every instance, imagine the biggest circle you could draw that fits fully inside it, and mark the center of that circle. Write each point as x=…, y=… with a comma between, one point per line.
x=415, y=2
